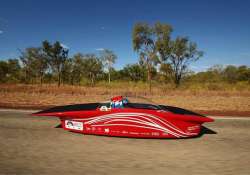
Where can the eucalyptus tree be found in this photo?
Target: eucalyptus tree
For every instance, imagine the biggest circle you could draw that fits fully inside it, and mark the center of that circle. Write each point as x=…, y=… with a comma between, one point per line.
x=9, y=70
x=244, y=73
x=14, y=70
x=57, y=56
x=108, y=57
x=135, y=72
x=166, y=72
x=148, y=41
x=78, y=67
x=35, y=63
x=230, y=73
x=92, y=67
x=67, y=72
x=183, y=52
x=3, y=71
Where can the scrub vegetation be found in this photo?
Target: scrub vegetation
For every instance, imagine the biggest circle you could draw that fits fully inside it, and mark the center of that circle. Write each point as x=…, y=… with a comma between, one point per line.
x=229, y=100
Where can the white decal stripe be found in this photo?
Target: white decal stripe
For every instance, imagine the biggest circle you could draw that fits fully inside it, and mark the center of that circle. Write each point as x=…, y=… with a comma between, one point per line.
x=126, y=117
x=133, y=115
x=104, y=117
x=144, y=114
x=130, y=120
x=117, y=115
x=147, y=123
x=175, y=134
x=167, y=123
x=143, y=123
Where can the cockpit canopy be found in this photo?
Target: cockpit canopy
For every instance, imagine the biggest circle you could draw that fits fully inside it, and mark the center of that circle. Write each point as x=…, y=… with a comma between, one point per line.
x=120, y=102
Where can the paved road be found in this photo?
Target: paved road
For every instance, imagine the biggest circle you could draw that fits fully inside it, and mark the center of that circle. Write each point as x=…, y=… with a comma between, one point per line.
x=31, y=145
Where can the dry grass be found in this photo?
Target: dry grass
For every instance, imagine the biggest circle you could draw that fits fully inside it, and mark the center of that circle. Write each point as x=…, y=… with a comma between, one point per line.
x=34, y=96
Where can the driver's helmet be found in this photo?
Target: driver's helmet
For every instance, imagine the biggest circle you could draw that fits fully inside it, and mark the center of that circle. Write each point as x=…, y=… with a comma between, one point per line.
x=118, y=102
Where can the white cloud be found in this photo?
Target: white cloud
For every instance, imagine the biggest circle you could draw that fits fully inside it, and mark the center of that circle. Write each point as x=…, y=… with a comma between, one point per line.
x=100, y=49
x=1, y=31
x=64, y=46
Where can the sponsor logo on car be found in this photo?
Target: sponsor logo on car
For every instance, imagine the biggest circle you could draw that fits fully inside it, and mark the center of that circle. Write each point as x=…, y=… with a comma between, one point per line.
x=69, y=124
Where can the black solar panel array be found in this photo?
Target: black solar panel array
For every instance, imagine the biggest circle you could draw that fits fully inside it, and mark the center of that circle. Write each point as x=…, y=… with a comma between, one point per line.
x=76, y=107
x=177, y=110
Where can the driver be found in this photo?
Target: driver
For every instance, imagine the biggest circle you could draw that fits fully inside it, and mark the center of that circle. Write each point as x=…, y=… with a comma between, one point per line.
x=118, y=102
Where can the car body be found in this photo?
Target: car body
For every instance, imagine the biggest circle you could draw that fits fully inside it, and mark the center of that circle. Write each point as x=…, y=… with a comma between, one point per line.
x=118, y=117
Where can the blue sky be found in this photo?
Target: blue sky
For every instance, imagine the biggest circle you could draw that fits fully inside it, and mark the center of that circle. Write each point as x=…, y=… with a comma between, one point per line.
x=220, y=28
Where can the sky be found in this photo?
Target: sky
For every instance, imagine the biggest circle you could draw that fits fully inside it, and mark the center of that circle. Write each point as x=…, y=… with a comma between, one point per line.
x=220, y=28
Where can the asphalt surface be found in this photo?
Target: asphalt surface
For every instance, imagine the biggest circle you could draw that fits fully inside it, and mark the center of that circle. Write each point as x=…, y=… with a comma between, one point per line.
x=32, y=145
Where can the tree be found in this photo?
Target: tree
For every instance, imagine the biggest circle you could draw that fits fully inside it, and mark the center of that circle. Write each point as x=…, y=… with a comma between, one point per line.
x=166, y=72
x=244, y=73
x=92, y=67
x=148, y=41
x=14, y=69
x=230, y=73
x=115, y=74
x=181, y=52
x=154, y=44
x=57, y=56
x=3, y=71
x=108, y=57
x=10, y=70
x=217, y=69
x=78, y=67
x=67, y=72
x=135, y=72
x=35, y=63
